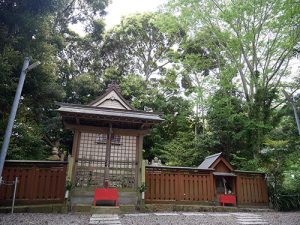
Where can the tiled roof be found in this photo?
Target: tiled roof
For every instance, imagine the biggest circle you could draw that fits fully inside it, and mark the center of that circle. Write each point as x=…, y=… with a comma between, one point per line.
x=209, y=160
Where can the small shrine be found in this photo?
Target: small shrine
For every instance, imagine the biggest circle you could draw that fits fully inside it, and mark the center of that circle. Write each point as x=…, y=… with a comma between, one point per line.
x=224, y=178
x=108, y=141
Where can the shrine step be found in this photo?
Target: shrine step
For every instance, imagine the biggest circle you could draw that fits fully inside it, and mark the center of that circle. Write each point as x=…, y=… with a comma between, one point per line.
x=105, y=210
x=89, y=208
x=87, y=197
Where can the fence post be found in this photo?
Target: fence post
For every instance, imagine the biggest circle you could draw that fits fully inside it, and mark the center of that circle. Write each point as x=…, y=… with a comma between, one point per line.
x=14, y=197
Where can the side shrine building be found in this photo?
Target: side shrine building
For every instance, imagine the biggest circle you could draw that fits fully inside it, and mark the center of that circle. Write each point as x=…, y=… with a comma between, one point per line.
x=108, y=141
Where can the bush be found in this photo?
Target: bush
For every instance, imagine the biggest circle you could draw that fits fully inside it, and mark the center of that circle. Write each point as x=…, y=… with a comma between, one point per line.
x=283, y=202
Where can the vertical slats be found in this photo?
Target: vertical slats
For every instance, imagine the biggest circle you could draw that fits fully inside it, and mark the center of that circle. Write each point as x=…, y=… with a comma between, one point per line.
x=147, y=181
x=239, y=190
x=200, y=185
x=162, y=187
x=167, y=186
x=183, y=185
x=259, y=191
x=38, y=182
x=251, y=189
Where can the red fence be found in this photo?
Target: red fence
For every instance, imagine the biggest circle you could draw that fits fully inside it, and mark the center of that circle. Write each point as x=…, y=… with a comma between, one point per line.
x=39, y=182
x=167, y=184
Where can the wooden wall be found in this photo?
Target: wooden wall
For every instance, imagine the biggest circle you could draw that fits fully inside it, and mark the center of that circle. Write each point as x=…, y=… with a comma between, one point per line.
x=166, y=184
x=251, y=189
x=179, y=185
x=39, y=182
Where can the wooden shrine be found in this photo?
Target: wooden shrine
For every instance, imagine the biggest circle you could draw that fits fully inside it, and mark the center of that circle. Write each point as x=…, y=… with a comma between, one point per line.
x=108, y=141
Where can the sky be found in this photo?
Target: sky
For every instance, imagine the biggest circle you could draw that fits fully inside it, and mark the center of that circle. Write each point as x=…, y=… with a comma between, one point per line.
x=119, y=8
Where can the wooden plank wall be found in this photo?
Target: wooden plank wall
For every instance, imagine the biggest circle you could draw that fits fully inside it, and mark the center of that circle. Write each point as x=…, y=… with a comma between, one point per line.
x=174, y=185
x=39, y=182
x=251, y=189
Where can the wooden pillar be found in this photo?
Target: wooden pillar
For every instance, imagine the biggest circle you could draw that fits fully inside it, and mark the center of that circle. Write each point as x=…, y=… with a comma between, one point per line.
x=107, y=157
x=239, y=193
x=212, y=186
x=75, y=152
x=139, y=159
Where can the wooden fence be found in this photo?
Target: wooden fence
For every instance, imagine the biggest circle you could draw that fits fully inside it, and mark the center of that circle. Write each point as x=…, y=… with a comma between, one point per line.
x=39, y=182
x=252, y=189
x=178, y=184
x=189, y=185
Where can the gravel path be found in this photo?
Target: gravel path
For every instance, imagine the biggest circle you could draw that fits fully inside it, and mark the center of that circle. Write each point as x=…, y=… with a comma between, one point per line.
x=181, y=218
x=168, y=218
x=43, y=218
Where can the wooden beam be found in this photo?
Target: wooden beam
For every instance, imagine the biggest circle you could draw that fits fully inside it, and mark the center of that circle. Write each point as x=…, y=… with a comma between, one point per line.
x=109, y=118
x=107, y=156
x=75, y=152
x=139, y=158
x=95, y=129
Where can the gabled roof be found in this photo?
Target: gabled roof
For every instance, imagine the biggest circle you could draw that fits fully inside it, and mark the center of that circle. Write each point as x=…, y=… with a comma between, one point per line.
x=209, y=160
x=109, y=107
x=216, y=162
x=112, y=98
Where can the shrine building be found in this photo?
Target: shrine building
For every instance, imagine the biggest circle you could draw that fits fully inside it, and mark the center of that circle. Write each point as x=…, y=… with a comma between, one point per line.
x=108, y=141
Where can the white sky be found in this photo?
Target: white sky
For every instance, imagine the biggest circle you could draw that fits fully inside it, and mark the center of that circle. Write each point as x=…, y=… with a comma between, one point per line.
x=119, y=8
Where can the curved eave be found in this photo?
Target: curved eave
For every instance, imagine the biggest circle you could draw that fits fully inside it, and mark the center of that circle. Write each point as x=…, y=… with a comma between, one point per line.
x=69, y=110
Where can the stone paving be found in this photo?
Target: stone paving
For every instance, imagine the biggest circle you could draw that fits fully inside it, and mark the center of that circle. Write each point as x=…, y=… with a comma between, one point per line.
x=105, y=219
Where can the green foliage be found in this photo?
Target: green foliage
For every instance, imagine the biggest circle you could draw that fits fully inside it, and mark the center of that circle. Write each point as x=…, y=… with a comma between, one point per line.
x=39, y=29
x=286, y=202
x=142, y=188
x=139, y=46
x=69, y=185
x=26, y=142
x=215, y=77
x=83, y=89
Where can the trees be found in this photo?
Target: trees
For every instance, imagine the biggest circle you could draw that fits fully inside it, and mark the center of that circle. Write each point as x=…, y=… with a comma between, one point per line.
x=256, y=39
x=140, y=45
x=25, y=31
x=37, y=29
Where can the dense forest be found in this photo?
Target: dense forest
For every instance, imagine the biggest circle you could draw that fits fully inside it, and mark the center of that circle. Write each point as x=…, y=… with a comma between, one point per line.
x=215, y=69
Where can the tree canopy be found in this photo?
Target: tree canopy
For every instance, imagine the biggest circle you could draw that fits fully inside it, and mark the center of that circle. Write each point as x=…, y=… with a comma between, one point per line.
x=215, y=68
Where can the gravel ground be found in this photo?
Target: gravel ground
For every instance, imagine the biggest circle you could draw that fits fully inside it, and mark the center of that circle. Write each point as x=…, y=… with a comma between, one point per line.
x=43, y=218
x=274, y=218
x=176, y=218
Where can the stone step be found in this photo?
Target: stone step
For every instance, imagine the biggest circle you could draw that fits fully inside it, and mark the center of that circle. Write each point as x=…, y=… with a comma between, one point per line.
x=105, y=219
x=105, y=216
x=105, y=210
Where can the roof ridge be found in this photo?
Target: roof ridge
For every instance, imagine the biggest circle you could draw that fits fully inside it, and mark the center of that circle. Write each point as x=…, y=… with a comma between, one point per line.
x=210, y=156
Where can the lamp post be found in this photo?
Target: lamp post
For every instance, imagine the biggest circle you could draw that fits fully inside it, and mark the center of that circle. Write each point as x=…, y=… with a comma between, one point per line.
x=13, y=112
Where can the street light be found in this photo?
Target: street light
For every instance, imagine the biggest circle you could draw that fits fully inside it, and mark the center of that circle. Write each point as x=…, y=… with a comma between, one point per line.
x=13, y=112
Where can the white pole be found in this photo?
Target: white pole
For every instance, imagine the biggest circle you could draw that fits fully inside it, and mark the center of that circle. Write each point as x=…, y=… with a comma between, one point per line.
x=13, y=112
x=14, y=197
x=12, y=115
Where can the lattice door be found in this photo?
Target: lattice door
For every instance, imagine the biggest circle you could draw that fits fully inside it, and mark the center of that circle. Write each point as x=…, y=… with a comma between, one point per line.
x=91, y=160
